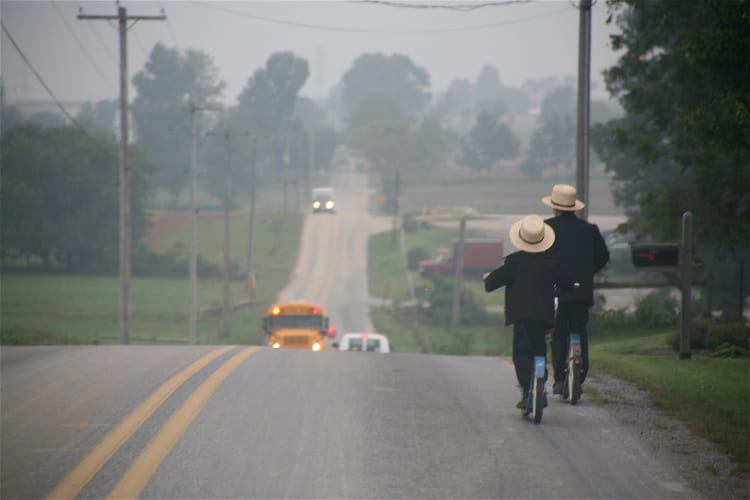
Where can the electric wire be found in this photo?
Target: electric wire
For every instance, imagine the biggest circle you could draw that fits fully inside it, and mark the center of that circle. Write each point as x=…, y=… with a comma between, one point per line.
x=83, y=47
x=465, y=7
x=216, y=6
x=44, y=84
x=169, y=26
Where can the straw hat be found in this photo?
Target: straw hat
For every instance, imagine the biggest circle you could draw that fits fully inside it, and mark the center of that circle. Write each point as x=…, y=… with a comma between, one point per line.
x=563, y=198
x=532, y=234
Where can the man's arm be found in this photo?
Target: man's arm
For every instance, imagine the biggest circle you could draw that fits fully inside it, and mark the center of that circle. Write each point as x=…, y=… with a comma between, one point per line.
x=601, y=252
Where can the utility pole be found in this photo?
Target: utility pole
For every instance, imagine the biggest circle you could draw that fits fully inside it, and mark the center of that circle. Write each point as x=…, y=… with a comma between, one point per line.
x=125, y=220
x=584, y=95
x=458, y=283
x=396, y=194
x=193, y=264
x=251, y=221
x=225, y=310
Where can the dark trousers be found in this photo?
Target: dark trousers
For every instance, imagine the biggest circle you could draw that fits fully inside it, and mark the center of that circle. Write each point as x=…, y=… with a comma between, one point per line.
x=528, y=341
x=571, y=317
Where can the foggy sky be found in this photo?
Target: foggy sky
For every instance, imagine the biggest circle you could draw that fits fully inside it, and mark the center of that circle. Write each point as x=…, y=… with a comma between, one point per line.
x=78, y=59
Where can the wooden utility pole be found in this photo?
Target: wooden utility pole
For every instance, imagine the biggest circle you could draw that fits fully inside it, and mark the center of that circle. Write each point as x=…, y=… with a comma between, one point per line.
x=226, y=305
x=193, y=264
x=458, y=282
x=584, y=95
x=125, y=219
x=251, y=221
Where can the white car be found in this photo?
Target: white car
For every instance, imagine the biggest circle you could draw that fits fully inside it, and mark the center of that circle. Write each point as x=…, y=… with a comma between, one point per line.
x=367, y=342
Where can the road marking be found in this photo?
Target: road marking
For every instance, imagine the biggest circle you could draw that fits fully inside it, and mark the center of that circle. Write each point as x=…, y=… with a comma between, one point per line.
x=144, y=467
x=79, y=477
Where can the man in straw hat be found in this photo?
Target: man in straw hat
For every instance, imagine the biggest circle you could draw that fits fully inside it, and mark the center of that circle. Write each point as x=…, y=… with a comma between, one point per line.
x=529, y=276
x=583, y=253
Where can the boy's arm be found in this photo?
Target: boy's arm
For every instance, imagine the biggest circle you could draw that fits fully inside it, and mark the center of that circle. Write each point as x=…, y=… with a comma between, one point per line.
x=500, y=277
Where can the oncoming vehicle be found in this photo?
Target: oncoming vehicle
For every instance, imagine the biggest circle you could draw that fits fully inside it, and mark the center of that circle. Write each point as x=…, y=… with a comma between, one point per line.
x=296, y=325
x=323, y=200
x=367, y=342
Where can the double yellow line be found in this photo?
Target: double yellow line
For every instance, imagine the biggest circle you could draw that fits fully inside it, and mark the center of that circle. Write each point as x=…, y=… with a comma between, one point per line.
x=145, y=465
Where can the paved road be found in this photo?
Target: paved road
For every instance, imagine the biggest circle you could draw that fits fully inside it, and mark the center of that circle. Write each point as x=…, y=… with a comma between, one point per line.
x=247, y=422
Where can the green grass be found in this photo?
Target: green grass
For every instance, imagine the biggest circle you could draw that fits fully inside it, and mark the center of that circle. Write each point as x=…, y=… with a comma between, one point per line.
x=59, y=309
x=711, y=395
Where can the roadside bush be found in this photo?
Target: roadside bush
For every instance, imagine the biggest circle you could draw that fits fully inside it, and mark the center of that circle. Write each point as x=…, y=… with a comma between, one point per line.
x=730, y=340
x=473, y=310
x=655, y=310
x=414, y=256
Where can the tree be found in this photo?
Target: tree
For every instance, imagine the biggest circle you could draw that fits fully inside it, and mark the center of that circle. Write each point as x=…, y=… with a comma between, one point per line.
x=60, y=198
x=682, y=82
x=10, y=115
x=169, y=81
x=395, y=78
x=489, y=141
x=100, y=115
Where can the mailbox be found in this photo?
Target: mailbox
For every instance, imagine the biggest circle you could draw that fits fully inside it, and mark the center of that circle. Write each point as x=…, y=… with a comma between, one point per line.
x=655, y=255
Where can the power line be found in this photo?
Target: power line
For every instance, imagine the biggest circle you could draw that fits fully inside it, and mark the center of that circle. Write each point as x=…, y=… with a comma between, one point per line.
x=44, y=84
x=464, y=7
x=169, y=27
x=82, y=46
x=216, y=6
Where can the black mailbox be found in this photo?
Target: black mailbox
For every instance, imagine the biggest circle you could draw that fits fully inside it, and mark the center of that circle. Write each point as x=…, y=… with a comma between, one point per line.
x=655, y=255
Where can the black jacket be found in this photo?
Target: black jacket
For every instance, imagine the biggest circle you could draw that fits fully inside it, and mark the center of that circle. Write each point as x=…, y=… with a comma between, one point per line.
x=582, y=252
x=530, y=280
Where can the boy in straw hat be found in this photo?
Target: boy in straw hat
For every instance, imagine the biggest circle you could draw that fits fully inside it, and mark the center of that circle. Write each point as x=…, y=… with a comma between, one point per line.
x=583, y=253
x=530, y=276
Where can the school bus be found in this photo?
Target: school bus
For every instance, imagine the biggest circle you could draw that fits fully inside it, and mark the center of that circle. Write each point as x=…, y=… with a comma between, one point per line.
x=296, y=325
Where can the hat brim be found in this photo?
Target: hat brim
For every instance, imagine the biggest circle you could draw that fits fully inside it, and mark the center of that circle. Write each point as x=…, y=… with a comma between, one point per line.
x=578, y=205
x=543, y=245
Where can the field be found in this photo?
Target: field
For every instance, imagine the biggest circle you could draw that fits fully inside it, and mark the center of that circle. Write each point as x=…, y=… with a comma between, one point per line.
x=56, y=309
x=501, y=195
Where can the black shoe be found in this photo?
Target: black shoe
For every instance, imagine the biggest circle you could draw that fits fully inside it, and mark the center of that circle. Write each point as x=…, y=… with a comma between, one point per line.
x=524, y=402
x=557, y=387
x=544, y=400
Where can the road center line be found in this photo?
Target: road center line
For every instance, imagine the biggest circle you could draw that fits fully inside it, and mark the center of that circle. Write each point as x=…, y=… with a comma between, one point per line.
x=79, y=477
x=144, y=467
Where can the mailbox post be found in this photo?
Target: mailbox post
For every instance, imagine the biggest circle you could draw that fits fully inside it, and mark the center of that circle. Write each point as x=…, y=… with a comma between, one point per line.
x=676, y=262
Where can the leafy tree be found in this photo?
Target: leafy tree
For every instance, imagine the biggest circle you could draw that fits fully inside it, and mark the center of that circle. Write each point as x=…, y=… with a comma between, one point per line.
x=10, y=115
x=488, y=141
x=100, y=115
x=169, y=81
x=682, y=81
x=60, y=197
x=394, y=78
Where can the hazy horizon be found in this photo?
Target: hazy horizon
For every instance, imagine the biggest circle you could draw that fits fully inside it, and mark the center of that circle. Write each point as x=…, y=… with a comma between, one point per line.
x=79, y=59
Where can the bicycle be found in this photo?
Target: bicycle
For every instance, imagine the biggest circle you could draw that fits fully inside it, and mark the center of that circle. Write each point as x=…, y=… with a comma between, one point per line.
x=573, y=364
x=535, y=400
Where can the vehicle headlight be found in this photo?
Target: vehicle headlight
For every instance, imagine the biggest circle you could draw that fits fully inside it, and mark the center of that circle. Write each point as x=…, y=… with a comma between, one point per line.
x=276, y=345
x=316, y=204
x=316, y=346
x=329, y=204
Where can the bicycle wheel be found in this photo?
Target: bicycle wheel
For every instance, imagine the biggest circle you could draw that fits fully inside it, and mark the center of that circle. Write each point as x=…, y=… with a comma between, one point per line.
x=537, y=403
x=574, y=372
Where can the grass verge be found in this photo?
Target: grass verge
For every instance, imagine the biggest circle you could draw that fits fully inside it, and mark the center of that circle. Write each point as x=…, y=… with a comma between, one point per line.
x=62, y=309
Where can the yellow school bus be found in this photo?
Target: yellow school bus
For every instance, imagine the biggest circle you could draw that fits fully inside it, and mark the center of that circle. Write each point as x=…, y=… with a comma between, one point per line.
x=296, y=325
